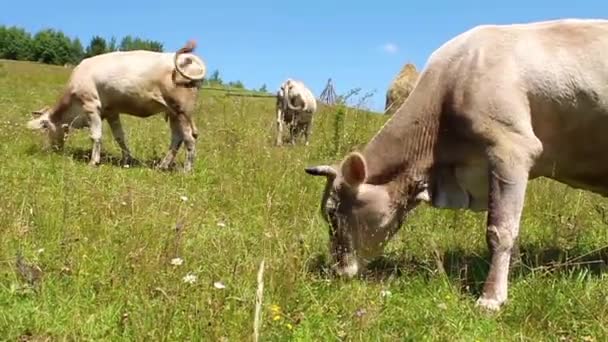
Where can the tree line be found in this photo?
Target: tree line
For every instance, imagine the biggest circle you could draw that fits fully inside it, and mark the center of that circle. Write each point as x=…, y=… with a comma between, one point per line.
x=51, y=46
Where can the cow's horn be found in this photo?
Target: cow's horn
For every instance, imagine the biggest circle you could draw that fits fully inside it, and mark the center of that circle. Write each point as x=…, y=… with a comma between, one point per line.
x=321, y=170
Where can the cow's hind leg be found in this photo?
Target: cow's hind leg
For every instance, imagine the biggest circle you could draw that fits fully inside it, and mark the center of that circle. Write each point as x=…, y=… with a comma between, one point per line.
x=181, y=132
x=176, y=142
x=119, y=136
x=189, y=141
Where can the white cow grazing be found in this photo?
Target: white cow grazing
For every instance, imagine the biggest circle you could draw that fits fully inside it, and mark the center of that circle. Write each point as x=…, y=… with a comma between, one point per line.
x=494, y=107
x=295, y=107
x=139, y=83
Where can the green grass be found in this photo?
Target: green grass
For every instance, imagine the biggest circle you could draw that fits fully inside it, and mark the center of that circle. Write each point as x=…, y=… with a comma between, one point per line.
x=104, y=238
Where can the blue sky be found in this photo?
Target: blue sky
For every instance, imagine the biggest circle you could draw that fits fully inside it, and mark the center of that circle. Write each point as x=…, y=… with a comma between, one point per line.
x=357, y=43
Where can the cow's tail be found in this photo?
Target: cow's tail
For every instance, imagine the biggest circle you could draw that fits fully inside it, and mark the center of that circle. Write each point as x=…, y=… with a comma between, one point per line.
x=189, y=48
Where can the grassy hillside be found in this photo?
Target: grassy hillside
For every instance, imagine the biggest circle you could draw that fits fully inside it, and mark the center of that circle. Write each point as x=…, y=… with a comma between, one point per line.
x=104, y=240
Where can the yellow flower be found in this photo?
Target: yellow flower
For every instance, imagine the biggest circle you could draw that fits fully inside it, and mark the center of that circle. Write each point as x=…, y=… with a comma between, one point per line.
x=289, y=326
x=276, y=318
x=275, y=308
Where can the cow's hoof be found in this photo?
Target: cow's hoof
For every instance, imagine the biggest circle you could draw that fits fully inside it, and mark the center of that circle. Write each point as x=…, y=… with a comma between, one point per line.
x=489, y=304
x=127, y=161
x=163, y=167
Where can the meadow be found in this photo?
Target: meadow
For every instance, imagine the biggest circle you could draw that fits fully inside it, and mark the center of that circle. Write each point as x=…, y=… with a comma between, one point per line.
x=139, y=254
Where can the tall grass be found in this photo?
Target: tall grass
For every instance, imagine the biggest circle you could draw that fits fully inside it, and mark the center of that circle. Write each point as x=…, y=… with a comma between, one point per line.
x=108, y=241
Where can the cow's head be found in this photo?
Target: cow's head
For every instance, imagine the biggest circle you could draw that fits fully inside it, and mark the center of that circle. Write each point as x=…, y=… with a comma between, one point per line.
x=41, y=121
x=362, y=217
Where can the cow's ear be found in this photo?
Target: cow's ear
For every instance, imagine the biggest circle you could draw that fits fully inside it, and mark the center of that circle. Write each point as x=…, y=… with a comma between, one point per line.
x=354, y=169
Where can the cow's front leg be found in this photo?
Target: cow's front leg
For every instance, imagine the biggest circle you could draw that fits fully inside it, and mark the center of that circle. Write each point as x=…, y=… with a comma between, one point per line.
x=506, y=200
x=293, y=131
x=308, y=133
x=95, y=130
x=279, y=140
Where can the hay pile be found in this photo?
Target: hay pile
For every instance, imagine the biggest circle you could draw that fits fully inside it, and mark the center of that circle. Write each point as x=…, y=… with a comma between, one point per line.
x=400, y=88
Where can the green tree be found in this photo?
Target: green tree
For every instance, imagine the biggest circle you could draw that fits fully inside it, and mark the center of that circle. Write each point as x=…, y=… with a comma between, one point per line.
x=52, y=47
x=236, y=84
x=77, y=51
x=112, y=44
x=126, y=43
x=129, y=43
x=215, y=78
x=97, y=46
x=15, y=43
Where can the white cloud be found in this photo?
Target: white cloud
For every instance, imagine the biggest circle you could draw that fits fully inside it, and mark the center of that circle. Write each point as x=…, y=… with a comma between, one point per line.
x=390, y=48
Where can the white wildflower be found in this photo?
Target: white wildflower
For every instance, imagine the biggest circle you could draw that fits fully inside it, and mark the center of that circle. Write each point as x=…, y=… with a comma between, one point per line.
x=40, y=250
x=190, y=278
x=221, y=224
x=219, y=285
x=177, y=261
x=183, y=198
x=385, y=293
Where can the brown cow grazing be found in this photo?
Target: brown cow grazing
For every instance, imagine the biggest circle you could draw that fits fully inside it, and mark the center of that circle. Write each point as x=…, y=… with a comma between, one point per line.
x=139, y=83
x=494, y=107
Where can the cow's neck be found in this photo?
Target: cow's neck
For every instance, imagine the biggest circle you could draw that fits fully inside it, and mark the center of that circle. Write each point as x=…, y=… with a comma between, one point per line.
x=403, y=150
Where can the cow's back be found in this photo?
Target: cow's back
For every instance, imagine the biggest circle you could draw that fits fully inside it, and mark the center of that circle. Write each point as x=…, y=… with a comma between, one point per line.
x=132, y=82
x=125, y=67
x=566, y=77
x=558, y=70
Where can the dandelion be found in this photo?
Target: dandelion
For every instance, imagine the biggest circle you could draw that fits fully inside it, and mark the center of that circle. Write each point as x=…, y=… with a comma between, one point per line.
x=177, y=261
x=219, y=285
x=276, y=312
x=275, y=308
x=183, y=198
x=189, y=278
x=289, y=326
